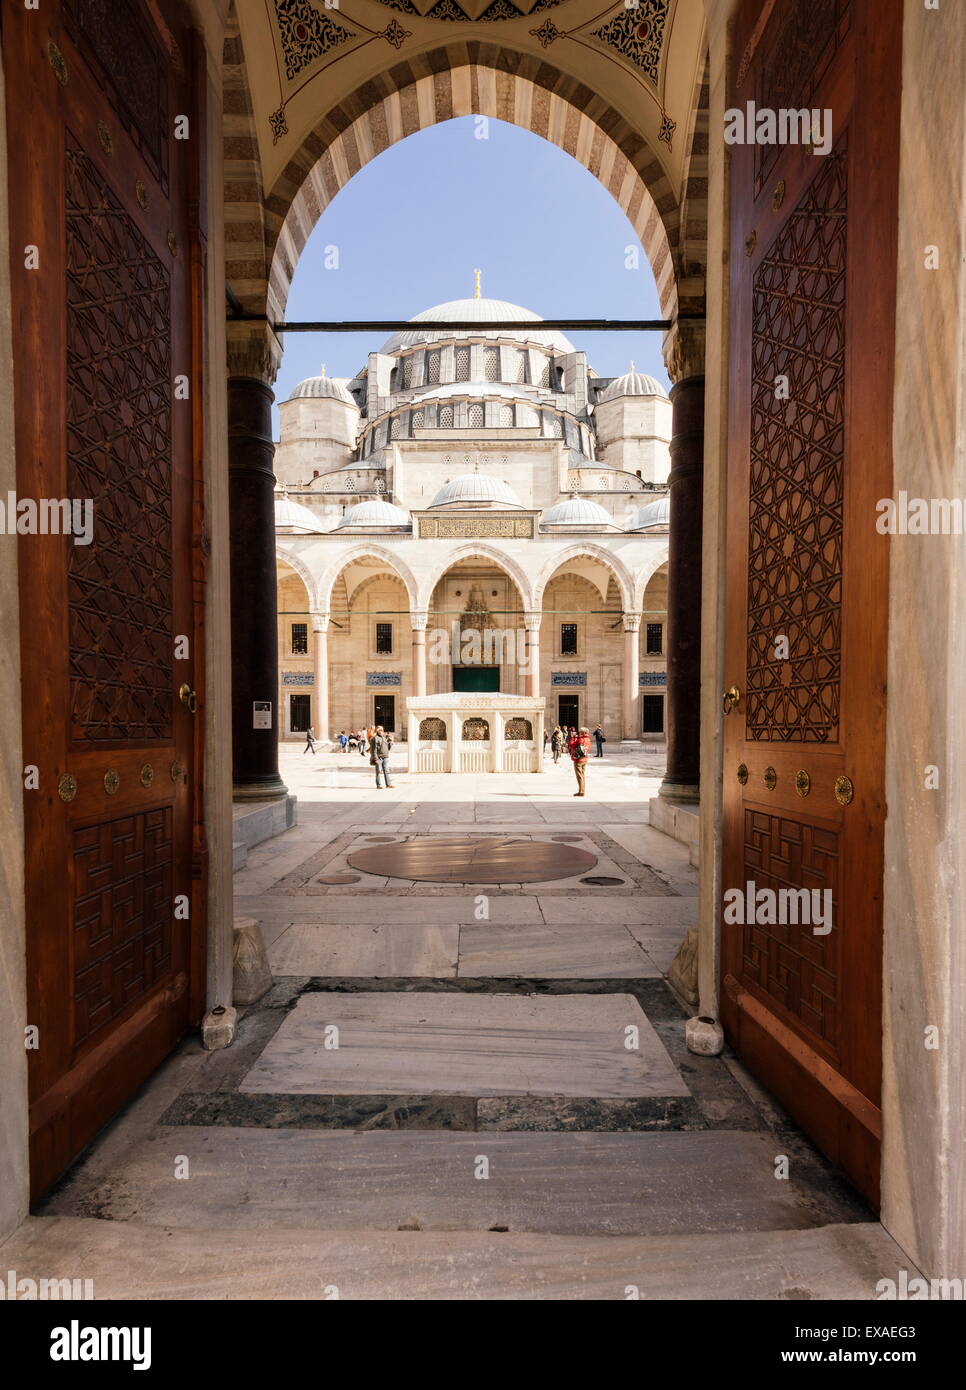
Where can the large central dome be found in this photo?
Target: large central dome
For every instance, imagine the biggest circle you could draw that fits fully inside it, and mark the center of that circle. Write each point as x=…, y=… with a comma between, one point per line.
x=482, y=311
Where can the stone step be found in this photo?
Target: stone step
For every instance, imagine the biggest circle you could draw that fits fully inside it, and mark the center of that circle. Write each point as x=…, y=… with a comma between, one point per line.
x=652, y=1184
x=127, y=1260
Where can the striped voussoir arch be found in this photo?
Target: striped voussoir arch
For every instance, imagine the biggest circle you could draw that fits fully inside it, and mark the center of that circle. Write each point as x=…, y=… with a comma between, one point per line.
x=468, y=78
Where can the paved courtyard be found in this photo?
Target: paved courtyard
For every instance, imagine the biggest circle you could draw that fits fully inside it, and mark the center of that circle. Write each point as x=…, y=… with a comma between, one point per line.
x=455, y=1091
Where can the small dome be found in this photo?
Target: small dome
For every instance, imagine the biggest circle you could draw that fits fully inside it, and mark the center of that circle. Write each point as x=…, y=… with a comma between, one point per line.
x=632, y=383
x=471, y=489
x=292, y=516
x=375, y=515
x=657, y=513
x=577, y=511
x=321, y=388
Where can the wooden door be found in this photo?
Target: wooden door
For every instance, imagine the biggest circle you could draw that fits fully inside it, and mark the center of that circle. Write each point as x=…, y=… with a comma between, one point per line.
x=102, y=334
x=810, y=364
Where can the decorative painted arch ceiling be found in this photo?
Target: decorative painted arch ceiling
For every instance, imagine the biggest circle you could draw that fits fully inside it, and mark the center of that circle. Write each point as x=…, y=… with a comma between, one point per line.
x=305, y=77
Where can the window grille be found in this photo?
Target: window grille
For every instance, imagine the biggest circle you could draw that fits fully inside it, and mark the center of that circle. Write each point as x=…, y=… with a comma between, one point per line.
x=432, y=368
x=462, y=364
x=518, y=728
x=545, y=373
x=300, y=639
x=446, y=417
x=394, y=427
x=523, y=367
x=491, y=364
x=384, y=639
x=556, y=424
x=568, y=639
x=474, y=417
x=506, y=415
x=419, y=419
x=409, y=370
x=654, y=640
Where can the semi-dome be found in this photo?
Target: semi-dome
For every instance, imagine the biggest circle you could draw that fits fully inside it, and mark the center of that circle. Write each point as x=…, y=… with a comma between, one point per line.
x=657, y=513
x=476, y=311
x=323, y=387
x=577, y=511
x=475, y=489
x=292, y=516
x=632, y=383
x=374, y=515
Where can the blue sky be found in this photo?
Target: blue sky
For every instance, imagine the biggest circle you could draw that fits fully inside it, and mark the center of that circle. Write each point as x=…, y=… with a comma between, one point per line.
x=413, y=223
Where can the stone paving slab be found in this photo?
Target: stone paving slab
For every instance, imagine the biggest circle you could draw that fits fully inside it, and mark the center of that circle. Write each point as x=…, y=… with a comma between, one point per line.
x=357, y=949
x=566, y=1184
x=127, y=1260
x=376, y=909
x=465, y=1044
x=623, y=909
x=598, y=952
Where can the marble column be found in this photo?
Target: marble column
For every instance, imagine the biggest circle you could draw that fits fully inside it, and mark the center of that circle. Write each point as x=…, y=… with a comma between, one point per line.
x=252, y=360
x=631, y=680
x=684, y=352
x=531, y=622
x=320, y=701
x=419, y=621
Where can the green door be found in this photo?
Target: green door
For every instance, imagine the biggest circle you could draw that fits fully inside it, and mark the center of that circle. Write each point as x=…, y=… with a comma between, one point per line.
x=476, y=678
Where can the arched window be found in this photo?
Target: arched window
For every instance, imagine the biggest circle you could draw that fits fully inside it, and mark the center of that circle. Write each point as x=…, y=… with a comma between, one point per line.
x=523, y=366
x=394, y=379
x=556, y=427
x=419, y=419
x=474, y=416
x=545, y=372
x=395, y=427
x=491, y=363
x=462, y=364
x=506, y=416
x=432, y=368
x=446, y=417
x=409, y=370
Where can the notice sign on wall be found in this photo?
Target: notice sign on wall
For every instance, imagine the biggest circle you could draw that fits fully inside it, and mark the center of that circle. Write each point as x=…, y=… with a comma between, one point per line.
x=261, y=714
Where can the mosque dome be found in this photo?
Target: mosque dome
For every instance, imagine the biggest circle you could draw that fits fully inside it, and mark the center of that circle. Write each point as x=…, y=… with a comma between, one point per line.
x=475, y=489
x=321, y=388
x=292, y=516
x=632, y=383
x=375, y=515
x=653, y=514
x=577, y=511
x=476, y=311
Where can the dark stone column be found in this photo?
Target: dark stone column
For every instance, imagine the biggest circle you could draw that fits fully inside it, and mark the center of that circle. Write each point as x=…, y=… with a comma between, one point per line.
x=686, y=482
x=254, y=592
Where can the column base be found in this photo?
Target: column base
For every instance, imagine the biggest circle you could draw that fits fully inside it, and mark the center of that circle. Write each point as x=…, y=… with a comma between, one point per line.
x=680, y=791
x=271, y=789
x=627, y=745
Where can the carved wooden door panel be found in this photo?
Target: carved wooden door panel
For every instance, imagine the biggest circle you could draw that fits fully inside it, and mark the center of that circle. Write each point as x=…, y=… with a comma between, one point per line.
x=810, y=367
x=102, y=331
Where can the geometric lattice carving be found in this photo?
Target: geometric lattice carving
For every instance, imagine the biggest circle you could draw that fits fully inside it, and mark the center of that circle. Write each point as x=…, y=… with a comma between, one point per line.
x=306, y=33
x=794, y=967
x=475, y=728
x=119, y=457
x=122, y=914
x=799, y=43
x=432, y=729
x=518, y=728
x=638, y=34
x=796, y=484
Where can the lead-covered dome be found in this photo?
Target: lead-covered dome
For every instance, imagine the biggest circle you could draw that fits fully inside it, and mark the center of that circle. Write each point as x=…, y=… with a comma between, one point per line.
x=321, y=388
x=476, y=489
x=577, y=511
x=475, y=311
x=657, y=513
x=292, y=516
x=375, y=515
x=632, y=383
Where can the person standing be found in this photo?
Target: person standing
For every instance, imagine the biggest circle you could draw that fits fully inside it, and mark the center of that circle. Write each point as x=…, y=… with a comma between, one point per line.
x=379, y=755
x=556, y=742
x=600, y=740
x=580, y=752
x=309, y=742
x=363, y=743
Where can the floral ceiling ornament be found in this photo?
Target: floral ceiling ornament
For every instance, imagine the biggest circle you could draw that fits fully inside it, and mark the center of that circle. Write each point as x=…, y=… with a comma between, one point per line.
x=668, y=127
x=306, y=33
x=638, y=34
x=547, y=32
x=279, y=124
x=395, y=34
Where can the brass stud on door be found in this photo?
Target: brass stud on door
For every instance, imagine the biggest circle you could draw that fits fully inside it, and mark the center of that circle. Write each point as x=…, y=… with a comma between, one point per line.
x=178, y=772
x=751, y=242
x=111, y=781
x=803, y=783
x=147, y=775
x=742, y=774
x=105, y=137
x=844, y=790
x=56, y=60
x=770, y=778
x=172, y=243
x=141, y=193
x=778, y=197
x=67, y=787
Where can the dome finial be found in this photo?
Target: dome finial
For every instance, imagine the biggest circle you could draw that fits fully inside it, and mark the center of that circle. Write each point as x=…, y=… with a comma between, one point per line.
x=322, y=372
x=477, y=289
x=633, y=367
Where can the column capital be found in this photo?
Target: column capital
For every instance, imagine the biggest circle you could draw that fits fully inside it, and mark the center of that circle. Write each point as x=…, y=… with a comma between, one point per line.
x=532, y=620
x=320, y=622
x=631, y=622
x=419, y=620
x=684, y=350
x=253, y=350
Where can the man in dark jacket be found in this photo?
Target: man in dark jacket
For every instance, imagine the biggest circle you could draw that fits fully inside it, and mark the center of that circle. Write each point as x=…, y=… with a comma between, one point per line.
x=379, y=756
x=600, y=740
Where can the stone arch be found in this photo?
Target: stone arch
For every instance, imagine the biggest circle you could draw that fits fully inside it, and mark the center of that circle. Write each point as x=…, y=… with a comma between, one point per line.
x=300, y=568
x=587, y=550
x=393, y=563
x=645, y=574
x=474, y=551
x=461, y=78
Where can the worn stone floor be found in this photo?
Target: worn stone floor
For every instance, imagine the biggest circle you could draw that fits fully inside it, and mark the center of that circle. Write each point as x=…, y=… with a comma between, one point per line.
x=460, y=1091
